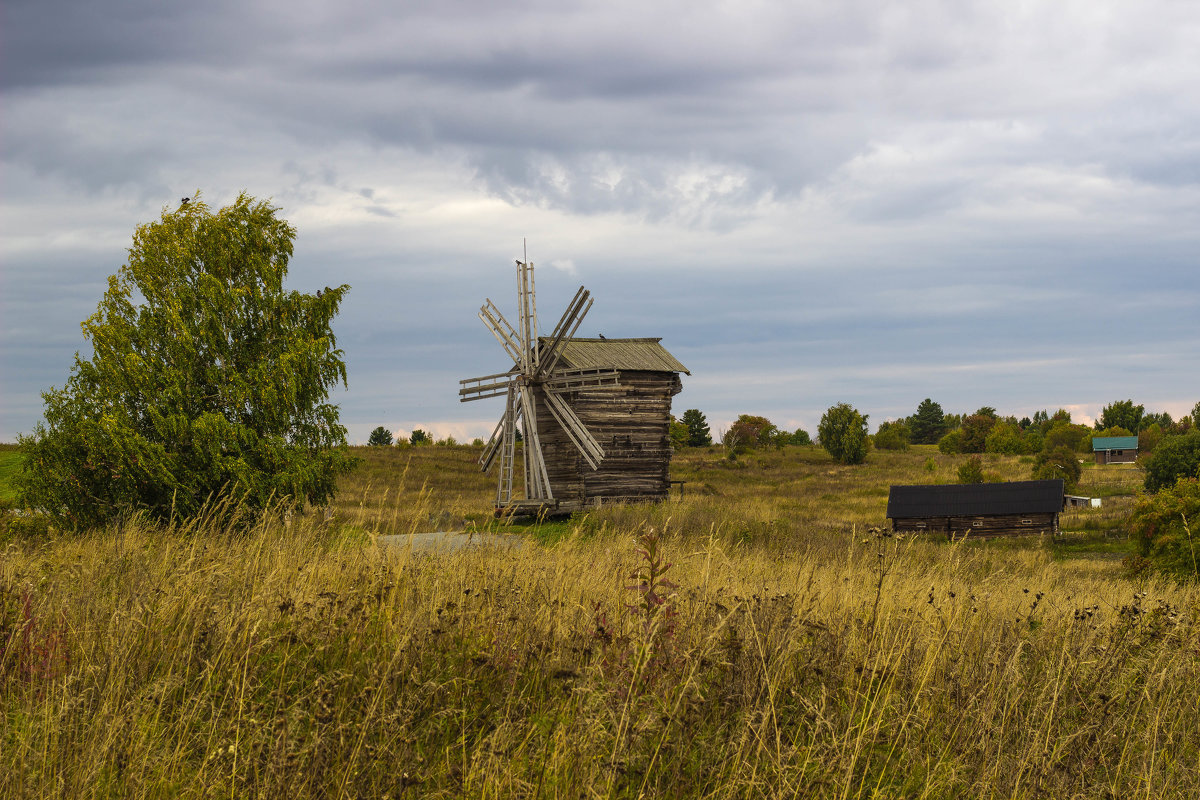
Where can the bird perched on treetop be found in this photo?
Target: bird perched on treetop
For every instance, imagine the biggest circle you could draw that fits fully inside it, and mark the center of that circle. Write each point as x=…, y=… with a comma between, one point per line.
x=185, y=201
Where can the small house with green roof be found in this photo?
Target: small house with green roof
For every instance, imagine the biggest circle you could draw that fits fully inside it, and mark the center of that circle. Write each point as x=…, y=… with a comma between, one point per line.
x=1115, y=449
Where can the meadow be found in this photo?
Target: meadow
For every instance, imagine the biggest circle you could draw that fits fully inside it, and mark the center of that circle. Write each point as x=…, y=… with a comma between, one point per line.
x=758, y=636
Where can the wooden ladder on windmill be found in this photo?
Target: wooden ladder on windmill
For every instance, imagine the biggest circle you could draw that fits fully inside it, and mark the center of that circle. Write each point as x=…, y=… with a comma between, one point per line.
x=534, y=382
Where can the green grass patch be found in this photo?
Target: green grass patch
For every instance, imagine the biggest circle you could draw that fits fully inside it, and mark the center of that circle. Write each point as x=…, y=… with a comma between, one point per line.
x=11, y=460
x=1105, y=544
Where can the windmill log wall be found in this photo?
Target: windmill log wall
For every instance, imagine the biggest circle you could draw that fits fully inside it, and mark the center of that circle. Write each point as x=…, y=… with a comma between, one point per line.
x=631, y=422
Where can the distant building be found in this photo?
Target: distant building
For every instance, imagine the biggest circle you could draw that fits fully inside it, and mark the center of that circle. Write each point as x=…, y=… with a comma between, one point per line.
x=1115, y=449
x=1079, y=501
x=977, y=509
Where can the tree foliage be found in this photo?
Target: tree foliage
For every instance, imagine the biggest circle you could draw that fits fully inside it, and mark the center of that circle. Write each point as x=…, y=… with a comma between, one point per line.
x=678, y=434
x=749, y=431
x=1149, y=437
x=1121, y=414
x=843, y=433
x=1006, y=438
x=1175, y=457
x=697, y=426
x=1065, y=434
x=380, y=437
x=1160, y=418
x=800, y=437
x=975, y=430
x=1058, y=463
x=420, y=437
x=928, y=424
x=207, y=379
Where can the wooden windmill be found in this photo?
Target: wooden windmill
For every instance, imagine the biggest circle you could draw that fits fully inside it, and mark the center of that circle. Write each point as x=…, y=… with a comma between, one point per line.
x=535, y=384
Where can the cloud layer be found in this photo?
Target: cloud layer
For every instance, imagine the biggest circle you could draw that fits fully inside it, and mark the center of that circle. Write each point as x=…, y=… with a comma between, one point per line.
x=984, y=203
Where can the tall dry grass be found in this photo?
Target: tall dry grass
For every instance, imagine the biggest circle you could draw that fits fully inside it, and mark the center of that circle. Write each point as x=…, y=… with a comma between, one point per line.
x=795, y=655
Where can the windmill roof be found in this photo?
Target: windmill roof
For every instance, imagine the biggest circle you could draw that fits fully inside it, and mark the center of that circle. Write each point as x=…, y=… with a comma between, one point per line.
x=1114, y=443
x=975, y=499
x=631, y=354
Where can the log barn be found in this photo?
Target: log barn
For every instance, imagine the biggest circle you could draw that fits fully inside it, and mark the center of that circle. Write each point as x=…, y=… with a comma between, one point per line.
x=630, y=421
x=977, y=509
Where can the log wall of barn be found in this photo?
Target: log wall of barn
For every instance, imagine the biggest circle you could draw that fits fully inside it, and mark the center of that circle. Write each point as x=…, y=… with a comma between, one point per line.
x=631, y=422
x=981, y=526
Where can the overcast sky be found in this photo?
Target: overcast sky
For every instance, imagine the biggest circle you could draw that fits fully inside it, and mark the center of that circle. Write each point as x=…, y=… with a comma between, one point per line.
x=986, y=203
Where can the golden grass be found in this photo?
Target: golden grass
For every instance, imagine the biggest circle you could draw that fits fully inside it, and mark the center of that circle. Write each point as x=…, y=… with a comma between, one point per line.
x=798, y=655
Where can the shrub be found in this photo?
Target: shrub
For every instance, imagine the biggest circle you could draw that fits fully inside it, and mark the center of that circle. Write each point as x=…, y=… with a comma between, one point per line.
x=892, y=436
x=971, y=470
x=951, y=443
x=843, y=433
x=1175, y=457
x=1166, y=525
x=1058, y=463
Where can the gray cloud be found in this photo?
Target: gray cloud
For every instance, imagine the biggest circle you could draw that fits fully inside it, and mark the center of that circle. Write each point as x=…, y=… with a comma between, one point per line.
x=984, y=202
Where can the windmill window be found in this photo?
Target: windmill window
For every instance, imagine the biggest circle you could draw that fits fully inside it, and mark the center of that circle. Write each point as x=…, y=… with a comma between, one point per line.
x=920, y=525
x=1026, y=522
x=977, y=523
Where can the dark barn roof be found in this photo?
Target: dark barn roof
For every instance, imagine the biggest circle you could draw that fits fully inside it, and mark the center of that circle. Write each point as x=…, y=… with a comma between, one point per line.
x=975, y=499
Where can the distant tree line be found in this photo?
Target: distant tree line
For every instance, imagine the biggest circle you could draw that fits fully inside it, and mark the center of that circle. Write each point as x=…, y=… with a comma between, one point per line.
x=1168, y=448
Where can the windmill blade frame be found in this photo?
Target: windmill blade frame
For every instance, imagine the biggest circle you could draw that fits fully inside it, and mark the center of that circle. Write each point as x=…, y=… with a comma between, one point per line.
x=576, y=431
x=578, y=307
x=485, y=390
x=537, y=480
x=557, y=348
x=505, y=334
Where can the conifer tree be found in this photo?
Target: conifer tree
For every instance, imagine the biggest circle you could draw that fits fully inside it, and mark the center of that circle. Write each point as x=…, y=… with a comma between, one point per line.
x=698, y=432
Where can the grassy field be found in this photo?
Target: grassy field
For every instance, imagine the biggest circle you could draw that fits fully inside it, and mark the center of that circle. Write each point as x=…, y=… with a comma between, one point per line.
x=750, y=639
